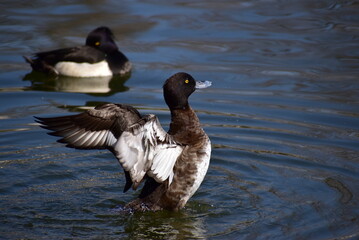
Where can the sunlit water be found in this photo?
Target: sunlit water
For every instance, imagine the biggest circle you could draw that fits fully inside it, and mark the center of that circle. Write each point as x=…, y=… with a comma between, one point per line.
x=282, y=114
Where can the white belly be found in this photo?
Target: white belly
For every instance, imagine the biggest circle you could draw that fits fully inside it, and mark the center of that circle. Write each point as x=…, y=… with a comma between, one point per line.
x=72, y=69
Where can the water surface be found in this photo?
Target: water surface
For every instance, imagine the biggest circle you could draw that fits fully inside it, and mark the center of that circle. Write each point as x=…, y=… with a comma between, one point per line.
x=282, y=114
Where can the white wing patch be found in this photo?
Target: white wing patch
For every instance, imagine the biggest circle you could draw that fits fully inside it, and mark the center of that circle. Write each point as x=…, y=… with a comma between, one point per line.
x=147, y=148
x=164, y=161
x=131, y=154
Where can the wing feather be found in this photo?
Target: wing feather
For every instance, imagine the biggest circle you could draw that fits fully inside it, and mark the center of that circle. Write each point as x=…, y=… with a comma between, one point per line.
x=75, y=54
x=139, y=143
x=145, y=148
x=94, y=129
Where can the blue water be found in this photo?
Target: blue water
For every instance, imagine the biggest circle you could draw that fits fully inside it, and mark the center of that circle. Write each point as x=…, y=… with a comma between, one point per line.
x=282, y=115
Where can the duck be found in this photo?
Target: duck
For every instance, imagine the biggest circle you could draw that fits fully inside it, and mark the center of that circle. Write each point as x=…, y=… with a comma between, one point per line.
x=171, y=165
x=99, y=57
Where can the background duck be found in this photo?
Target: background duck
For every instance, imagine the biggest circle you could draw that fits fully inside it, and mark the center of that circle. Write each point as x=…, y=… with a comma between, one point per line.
x=99, y=57
x=172, y=164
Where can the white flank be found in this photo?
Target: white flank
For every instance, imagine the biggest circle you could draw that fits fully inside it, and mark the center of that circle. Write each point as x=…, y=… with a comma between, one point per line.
x=72, y=69
x=202, y=170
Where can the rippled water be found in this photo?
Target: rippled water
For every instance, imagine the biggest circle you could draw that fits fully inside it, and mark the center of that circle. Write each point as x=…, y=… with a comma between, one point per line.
x=282, y=114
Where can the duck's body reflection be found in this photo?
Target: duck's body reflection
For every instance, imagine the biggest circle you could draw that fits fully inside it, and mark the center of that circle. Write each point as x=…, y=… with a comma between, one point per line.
x=92, y=85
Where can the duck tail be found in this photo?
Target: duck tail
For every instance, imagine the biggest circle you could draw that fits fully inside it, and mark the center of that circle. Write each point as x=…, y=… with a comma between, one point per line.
x=40, y=66
x=28, y=60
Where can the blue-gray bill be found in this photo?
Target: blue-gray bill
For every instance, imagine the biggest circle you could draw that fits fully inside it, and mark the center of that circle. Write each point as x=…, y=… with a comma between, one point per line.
x=203, y=84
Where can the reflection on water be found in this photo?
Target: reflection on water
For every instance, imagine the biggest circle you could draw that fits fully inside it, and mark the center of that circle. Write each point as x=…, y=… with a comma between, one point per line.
x=282, y=115
x=166, y=226
x=104, y=86
x=346, y=194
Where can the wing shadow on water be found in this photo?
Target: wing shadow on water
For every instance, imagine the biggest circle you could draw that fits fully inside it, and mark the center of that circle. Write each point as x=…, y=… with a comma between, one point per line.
x=97, y=86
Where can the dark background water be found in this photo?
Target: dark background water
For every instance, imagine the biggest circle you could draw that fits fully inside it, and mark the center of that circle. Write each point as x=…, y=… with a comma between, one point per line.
x=282, y=114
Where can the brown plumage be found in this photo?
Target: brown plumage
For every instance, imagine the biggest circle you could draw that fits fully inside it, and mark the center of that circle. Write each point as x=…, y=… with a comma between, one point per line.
x=172, y=164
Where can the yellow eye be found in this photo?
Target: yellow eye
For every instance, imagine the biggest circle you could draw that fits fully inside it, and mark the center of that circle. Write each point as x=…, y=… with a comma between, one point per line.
x=186, y=81
x=97, y=43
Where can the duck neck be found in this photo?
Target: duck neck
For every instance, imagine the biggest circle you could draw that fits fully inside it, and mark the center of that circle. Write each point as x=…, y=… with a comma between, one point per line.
x=185, y=124
x=116, y=60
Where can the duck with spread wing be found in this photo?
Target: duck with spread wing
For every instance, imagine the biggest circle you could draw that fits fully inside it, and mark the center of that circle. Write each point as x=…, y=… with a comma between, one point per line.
x=171, y=164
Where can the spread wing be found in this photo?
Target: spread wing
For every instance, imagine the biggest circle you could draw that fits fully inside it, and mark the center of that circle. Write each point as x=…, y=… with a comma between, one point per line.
x=97, y=128
x=140, y=144
x=145, y=148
